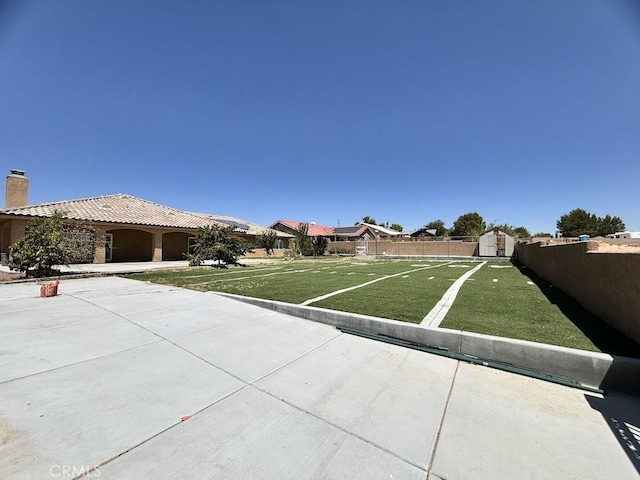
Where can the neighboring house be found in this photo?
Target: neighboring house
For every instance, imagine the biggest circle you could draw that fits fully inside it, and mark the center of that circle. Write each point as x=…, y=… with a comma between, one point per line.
x=424, y=232
x=290, y=227
x=127, y=228
x=624, y=235
x=383, y=232
x=357, y=232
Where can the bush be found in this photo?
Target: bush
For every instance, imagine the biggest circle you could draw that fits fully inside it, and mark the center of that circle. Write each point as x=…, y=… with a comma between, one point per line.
x=268, y=241
x=51, y=241
x=219, y=244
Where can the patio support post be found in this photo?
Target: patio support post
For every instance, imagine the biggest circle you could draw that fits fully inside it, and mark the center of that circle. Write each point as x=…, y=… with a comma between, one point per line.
x=157, y=246
x=99, y=255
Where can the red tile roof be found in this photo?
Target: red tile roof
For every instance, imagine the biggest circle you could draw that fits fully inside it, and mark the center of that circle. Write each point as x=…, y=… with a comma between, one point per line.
x=314, y=229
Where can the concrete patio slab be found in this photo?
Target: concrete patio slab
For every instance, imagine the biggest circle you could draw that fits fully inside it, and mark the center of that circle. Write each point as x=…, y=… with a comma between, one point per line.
x=39, y=348
x=262, y=342
x=95, y=410
x=498, y=424
x=102, y=377
x=399, y=411
x=252, y=435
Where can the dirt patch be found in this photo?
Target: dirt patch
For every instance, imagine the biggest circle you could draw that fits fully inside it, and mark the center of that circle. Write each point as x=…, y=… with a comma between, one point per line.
x=7, y=277
x=604, y=247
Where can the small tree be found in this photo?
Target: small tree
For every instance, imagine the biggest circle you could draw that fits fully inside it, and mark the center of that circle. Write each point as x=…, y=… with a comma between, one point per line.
x=438, y=225
x=77, y=243
x=320, y=245
x=303, y=244
x=51, y=241
x=396, y=226
x=268, y=241
x=39, y=250
x=218, y=243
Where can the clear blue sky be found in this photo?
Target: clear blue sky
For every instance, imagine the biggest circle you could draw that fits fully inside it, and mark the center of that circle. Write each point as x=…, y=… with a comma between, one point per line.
x=328, y=111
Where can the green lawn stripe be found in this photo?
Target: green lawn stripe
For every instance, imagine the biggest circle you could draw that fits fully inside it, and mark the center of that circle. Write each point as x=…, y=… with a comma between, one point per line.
x=344, y=290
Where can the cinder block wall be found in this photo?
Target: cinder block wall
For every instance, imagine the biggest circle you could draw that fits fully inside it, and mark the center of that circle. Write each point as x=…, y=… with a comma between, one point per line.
x=350, y=247
x=604, y=283
x=454, y=248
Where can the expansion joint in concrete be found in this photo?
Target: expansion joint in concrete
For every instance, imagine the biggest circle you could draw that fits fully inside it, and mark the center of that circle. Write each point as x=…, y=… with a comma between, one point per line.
x=444, y=414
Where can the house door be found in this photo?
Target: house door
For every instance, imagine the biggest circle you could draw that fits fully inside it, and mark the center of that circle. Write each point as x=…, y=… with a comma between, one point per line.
x=108, y=246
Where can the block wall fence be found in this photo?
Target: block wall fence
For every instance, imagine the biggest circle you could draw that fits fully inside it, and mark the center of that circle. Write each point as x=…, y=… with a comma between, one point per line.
x=605, y=283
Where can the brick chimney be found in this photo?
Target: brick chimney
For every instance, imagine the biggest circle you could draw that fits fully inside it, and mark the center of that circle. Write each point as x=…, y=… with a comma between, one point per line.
x=16, y=190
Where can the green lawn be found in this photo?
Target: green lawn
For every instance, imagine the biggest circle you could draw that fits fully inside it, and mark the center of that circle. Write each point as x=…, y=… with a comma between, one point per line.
x=513, y=302
x=291, y=282
x=403, y=298
x=499, y=299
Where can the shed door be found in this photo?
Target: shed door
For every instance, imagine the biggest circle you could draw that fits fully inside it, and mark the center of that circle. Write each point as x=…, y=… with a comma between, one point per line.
x=490, y=245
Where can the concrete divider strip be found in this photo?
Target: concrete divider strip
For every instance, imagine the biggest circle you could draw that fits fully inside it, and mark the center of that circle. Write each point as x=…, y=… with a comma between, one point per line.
x=592, y=369
x=437, y=313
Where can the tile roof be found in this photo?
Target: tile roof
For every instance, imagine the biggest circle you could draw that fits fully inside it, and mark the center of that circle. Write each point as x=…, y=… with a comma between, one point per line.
x=314, y=229
x=127, y=209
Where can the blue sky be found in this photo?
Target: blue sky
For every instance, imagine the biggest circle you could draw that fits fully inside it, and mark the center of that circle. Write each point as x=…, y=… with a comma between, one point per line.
x=328, y=111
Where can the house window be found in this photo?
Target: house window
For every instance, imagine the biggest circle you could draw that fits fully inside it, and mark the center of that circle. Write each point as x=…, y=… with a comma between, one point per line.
x=191, y=244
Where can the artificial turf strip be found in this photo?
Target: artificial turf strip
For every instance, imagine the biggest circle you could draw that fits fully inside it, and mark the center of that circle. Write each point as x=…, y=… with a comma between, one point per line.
x=294, y=282
x=406, y=299
x=511, y=307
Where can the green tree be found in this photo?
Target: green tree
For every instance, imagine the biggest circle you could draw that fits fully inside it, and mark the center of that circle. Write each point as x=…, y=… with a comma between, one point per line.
x=397, y=227
x=367, y=219
x=77, y=243
x=49, y=242
x=438, y=225
x=303, y=244
x=609, y=224
x=521, y=232
x=542, y=234
x=215, y=242
x=577, y=222
x=320, y=245
x=268, y=241
x=468, y=225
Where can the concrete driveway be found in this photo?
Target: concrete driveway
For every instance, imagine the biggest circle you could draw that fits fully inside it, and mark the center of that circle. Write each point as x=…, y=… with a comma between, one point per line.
x=120, y=379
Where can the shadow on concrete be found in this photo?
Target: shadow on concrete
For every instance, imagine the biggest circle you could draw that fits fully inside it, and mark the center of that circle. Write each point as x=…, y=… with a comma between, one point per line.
x=604, y=336
x=622, y=414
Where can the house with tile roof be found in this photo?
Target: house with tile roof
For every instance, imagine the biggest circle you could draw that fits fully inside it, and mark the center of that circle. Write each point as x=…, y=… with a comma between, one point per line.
x=127, y=228
x=291, y=227
x=357, y=232
x=423, y=232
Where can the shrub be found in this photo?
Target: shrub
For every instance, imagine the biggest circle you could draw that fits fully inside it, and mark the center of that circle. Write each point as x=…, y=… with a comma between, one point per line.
x=217, y=243
x=267, y=241
x=51, y=241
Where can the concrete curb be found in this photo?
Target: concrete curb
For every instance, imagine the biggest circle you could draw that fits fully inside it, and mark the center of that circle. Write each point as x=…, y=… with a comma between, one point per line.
x=591, y=369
